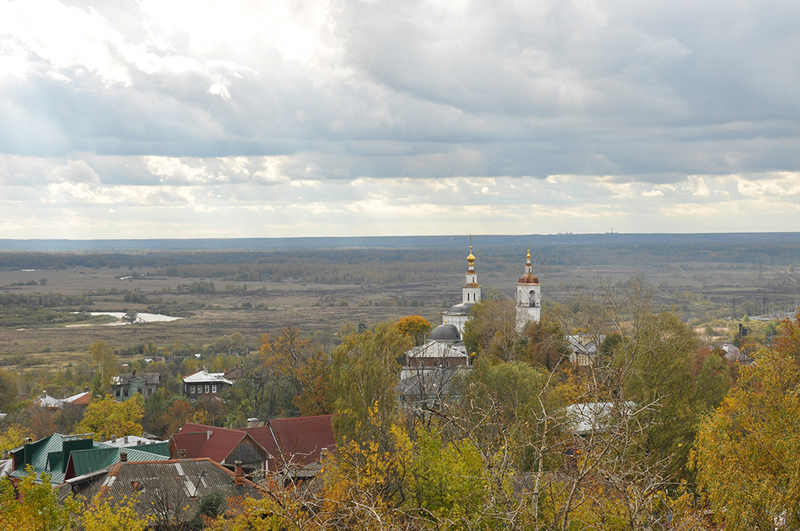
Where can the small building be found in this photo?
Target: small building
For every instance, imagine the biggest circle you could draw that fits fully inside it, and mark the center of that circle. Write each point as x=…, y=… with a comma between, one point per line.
x=65, y=456
x=169, y=491
x=223, y=445
x=46, y=401
x=204, y=383
x=126, y=385
x=584, y=349
x=281, y=446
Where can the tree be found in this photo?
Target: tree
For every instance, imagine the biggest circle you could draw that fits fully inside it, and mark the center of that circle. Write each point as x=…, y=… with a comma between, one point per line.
x=414, y=326
x=316, y=398
x=105, y=417
x=9, y=389
x=364, y=374
x=747, y=452
x=492, y=330
x=547, y=344
x=37, y=508
x=103, y=515
x=130, y=317
x=105, y=363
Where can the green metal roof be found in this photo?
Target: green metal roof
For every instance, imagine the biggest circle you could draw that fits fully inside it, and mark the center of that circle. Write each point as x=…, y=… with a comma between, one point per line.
x=52, y=455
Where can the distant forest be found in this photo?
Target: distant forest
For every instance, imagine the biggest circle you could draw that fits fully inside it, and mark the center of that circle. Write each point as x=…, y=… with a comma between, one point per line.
x=323, y=264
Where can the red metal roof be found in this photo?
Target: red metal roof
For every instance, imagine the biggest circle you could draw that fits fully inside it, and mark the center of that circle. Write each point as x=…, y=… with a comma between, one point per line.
x=207, y=441
x=300, y=438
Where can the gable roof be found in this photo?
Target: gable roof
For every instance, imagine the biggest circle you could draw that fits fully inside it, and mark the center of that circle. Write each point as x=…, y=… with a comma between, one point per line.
x=295, y=441
x=80, y=399
x=66, y=456
x=299, y=440
x=81, y=462
x=150, y=378
x=210, y=441
x=181, y=481
x=207, y=377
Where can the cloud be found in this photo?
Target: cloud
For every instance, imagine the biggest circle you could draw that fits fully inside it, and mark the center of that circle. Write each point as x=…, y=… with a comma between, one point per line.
x=576, y=109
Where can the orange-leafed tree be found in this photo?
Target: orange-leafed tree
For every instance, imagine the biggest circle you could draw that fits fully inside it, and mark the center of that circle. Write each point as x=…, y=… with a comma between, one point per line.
x=414, y=326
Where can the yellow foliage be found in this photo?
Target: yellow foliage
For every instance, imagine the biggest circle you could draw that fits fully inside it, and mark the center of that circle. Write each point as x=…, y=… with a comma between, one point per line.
x=13, y=436
x=38, y=508
x=107, y=417
x=103, y=516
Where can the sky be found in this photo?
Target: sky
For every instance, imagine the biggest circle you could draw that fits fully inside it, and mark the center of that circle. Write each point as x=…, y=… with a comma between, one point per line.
x=225, y=119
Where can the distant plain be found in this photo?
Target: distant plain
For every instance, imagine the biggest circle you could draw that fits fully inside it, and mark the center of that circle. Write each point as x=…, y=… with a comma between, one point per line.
x=320, y=290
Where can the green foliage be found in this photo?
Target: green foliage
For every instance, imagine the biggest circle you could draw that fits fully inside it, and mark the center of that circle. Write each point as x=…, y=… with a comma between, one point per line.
x=364, y=374
x=106, y=366
x=210, y=506
x=447, y=480
x=492, y=331
x=37, y=509
x=9, y=389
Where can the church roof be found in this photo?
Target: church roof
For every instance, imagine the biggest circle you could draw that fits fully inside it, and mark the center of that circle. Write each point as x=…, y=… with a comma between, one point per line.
x=528, y=278
x=445, y=332
x=439, y=349
x=460, y=309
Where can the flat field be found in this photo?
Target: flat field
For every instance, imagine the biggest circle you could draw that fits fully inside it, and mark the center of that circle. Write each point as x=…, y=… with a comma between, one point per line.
x=320, y=291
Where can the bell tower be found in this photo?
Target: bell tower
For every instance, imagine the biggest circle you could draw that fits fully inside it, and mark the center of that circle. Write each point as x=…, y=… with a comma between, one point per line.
x=528, y=297
x=471, y=290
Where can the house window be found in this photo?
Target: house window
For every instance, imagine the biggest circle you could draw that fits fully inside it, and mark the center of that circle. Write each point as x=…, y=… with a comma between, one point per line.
x=207, y=388
x=191, y=390
x=214, y=388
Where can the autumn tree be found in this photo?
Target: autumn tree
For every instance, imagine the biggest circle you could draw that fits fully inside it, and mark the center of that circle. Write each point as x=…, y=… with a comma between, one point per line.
x=103, y=514
x=37, y=507
x=492, y=330
x=106, y=366
x=9, y=389
x=415, y=326
x=106, y=417
x=746, y=453
x=316, y=397
x=547, y=345
x=364, y=372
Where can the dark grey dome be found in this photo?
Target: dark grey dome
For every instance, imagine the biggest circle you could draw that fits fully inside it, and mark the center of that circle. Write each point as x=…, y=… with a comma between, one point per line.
x=445, y=332
x=461, y=309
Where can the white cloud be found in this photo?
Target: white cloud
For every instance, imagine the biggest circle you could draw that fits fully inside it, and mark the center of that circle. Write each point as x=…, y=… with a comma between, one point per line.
x=577, y=109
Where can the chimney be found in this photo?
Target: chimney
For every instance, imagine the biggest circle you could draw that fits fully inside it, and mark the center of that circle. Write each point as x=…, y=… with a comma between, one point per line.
x=324, y=455
x=85, y=388
x=182, y=453
x=239, y=474
x=133, y=375
x=126, y=440
x=102, y=437
x=252, y=422
x=208, y=434
x=123, y=457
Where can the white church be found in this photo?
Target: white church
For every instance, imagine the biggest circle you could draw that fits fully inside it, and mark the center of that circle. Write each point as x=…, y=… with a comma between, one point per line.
x=444, y=348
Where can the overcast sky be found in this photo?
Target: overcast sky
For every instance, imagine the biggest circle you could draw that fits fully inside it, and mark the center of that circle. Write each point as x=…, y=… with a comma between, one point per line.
x=171, y=119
